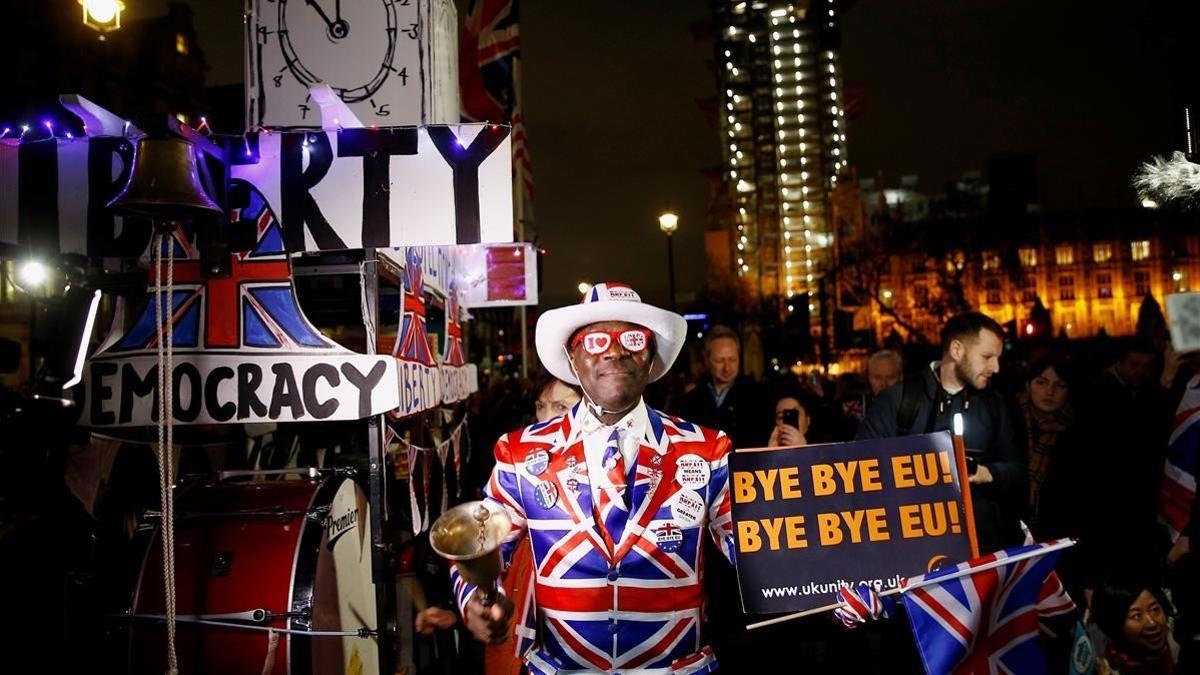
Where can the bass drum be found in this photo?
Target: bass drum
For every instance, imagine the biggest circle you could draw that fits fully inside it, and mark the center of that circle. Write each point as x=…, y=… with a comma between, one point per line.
x=289, y=554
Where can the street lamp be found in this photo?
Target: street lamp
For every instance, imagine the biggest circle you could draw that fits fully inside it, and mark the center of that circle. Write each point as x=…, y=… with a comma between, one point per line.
x=32, y=275
x=102, y=15
x=668, y=223
x=583, y=287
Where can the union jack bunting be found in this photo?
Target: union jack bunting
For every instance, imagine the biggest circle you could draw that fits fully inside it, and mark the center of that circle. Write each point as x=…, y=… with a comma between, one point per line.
x=637, y=608
x=981, y=617
x=412, y=344
x=255, y=307
x=453, y=354
x=1178, y=489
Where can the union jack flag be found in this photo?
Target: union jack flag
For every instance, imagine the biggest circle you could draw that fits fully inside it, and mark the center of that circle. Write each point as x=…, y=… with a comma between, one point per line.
x=453, y=354
x=489, y=75
x=1057, y=612
x=412, y=344
x=981, y=617
x=1178, y=489
x=254, y=307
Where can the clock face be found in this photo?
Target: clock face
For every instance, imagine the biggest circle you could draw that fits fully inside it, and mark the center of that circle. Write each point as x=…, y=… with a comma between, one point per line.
x=367, y=51
x=348, y=45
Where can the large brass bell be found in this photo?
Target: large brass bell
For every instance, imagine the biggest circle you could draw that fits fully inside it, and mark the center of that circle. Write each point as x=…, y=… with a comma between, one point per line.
x=470, y=534
x=165, y=183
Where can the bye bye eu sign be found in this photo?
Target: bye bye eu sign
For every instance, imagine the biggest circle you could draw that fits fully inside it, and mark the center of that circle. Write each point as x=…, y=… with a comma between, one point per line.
x=808, y=520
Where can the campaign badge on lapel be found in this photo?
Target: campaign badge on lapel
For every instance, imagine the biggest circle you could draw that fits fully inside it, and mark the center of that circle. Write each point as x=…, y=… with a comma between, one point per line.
x=656, y=460
x=546, y=494
x=669, y=537
x=687, y=507
x=573, y=485
x=691, y=471
x=536, y=463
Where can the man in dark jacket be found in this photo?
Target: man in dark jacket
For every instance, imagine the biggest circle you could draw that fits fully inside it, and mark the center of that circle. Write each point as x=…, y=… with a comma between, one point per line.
x=736, y=406
x=723, y=400
x=1126, y=417
x=927, y=402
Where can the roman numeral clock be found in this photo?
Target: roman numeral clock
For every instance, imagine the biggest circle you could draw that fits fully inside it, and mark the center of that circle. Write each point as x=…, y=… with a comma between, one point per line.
x=369, y=52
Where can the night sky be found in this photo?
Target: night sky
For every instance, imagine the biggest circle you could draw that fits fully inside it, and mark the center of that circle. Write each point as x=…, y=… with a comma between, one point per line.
x=616, y=134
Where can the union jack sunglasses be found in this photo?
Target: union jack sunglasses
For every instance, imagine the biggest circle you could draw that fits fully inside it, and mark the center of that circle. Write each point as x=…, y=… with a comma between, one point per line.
x=595, y=342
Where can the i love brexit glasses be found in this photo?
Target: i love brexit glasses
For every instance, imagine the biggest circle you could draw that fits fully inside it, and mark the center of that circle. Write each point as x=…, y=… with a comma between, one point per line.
x=633, y=340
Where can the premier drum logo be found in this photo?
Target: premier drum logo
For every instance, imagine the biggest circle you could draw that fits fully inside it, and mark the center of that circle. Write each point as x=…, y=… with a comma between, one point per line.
x=339, y=524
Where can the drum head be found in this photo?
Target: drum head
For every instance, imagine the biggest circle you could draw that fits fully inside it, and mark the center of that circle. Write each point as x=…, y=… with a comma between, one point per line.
x=343, y=596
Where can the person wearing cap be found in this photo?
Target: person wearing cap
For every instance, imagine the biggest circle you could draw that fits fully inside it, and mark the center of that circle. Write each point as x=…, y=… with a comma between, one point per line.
x=614, y=498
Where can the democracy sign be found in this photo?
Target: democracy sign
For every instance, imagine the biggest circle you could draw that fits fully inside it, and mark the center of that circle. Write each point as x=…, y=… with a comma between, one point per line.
x=808, y=520
x=236, y=387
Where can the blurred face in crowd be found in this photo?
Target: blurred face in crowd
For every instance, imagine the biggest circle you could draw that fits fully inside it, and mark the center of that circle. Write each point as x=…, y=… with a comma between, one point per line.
x=1146, y=624
x=722, y=361
x=789, y=403
x=977, y=359
x=554, y=400
x=616, y=377
x=1047, y=391
x=882, y=373
x=1136, y=368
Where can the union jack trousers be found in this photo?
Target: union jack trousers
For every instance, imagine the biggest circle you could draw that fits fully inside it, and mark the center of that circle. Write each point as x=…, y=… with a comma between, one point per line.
x=638, y=608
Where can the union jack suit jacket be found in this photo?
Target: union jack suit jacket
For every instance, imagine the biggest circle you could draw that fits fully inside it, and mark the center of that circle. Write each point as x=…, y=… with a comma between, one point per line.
x=637, y=610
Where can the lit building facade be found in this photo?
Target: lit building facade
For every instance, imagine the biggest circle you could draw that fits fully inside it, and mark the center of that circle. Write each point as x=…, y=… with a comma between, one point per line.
x=1090, y=270
x=783, y=135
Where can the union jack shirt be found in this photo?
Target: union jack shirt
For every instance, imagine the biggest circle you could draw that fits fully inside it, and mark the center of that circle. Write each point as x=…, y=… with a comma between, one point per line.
x=634, y=608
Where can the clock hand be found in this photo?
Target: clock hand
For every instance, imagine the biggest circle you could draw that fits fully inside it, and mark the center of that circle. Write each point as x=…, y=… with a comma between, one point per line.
x=337, y=10
x=324, y=17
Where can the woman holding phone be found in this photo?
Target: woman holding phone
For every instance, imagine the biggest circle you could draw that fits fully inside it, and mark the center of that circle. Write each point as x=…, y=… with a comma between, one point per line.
x=791, y=423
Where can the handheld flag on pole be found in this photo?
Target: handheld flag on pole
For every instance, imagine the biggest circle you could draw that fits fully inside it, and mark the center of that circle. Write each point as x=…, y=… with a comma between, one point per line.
x=981, y=616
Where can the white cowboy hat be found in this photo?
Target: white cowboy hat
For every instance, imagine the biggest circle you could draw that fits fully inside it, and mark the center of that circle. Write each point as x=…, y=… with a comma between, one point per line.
x=608, y=302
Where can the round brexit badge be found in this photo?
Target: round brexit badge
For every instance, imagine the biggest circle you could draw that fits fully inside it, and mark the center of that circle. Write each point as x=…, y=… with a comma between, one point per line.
x=691, y=471
x=669, y=537
x=546, y=494
x=687, y=507
x=536, y=463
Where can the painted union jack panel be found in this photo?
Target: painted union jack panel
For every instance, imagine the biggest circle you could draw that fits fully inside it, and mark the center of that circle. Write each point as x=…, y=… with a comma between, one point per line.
x=243, y=349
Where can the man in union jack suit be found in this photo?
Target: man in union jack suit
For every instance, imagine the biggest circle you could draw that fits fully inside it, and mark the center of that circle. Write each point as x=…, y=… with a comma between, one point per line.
x=615, y=498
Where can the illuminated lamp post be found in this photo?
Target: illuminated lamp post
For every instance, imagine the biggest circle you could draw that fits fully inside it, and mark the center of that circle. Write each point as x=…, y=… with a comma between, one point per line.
x=102, y=16
x=668, y=223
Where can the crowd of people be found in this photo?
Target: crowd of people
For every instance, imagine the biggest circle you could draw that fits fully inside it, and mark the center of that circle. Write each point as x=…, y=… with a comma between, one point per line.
x=1064, y=439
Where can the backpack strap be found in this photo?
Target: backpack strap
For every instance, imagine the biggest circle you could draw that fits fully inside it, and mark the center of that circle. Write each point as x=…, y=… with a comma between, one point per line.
x=910, y=404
